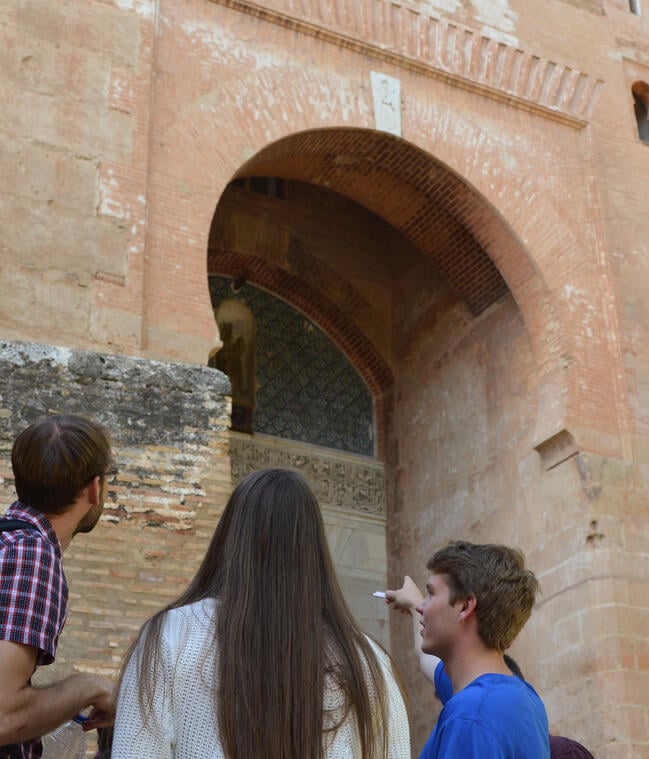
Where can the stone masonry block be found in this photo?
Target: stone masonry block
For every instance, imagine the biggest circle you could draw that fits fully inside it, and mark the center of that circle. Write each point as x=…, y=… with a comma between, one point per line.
x=78, y=127
x=51, y=177
x=50, y=68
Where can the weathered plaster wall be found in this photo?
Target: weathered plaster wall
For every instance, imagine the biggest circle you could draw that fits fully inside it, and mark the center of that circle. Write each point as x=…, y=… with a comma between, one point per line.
x=62, y=122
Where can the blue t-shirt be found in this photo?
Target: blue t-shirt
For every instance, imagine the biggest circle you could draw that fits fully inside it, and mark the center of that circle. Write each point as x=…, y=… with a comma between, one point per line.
x=493, y=717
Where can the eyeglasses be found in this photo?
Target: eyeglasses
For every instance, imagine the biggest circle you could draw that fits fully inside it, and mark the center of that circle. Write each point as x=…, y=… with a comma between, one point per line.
x=110, y=474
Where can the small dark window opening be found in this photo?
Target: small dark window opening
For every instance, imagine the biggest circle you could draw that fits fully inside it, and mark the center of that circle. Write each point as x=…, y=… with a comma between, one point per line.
x=271, y=187
x=640, y=91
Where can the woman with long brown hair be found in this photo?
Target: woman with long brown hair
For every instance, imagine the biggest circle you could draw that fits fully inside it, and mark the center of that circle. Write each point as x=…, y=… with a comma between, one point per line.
x=260, y=658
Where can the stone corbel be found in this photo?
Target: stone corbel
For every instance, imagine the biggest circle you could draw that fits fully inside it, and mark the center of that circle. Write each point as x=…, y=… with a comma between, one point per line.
x=557, y=448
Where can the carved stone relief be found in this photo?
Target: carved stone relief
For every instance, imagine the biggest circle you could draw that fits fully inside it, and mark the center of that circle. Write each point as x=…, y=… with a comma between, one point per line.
x=386, y=91
x=340, y=480
x=351, y=492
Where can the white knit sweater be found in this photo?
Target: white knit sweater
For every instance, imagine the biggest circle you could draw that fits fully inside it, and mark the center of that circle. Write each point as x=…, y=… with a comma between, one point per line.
x=184, y=724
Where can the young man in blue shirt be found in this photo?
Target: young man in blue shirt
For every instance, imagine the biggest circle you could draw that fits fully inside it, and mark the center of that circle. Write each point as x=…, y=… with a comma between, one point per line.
x=478, y=598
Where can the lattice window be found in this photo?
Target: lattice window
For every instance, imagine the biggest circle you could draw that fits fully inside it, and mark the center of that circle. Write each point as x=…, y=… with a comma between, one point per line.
x=307, y=388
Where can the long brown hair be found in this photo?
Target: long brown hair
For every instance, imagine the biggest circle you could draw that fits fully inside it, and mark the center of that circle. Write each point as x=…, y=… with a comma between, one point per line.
x=282, y=629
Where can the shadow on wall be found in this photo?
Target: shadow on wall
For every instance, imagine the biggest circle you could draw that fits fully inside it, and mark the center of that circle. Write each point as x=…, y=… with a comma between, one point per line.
x=640, y=91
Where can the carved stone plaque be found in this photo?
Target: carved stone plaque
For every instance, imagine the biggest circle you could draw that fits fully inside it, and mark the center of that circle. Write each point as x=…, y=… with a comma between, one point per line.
x=340, y=480
x=386, y=92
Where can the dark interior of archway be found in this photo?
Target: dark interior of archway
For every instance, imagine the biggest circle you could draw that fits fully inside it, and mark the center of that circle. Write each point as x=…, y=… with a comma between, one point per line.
x=277, y=235
x=351, y=270
x=420, y=197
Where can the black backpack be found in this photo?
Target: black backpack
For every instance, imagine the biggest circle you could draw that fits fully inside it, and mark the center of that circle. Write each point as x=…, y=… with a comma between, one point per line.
x=14, y=524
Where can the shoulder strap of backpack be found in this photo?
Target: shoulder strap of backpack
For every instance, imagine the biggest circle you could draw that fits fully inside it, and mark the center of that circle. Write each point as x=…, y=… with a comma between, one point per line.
x=14, y=524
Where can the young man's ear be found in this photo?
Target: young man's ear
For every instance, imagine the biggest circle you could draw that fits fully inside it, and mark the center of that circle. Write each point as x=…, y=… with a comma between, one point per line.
x=468, y=607
x=94, y=490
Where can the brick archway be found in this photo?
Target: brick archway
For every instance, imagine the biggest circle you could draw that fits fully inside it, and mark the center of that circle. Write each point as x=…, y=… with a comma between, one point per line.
x=413, y=192
x=510, y=233
x=444, y=217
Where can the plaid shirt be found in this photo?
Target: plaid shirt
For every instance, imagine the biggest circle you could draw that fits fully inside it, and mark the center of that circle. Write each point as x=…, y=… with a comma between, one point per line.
x=33, y=596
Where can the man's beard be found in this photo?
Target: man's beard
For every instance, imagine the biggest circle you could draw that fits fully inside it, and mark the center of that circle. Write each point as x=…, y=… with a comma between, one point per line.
x=87, y=524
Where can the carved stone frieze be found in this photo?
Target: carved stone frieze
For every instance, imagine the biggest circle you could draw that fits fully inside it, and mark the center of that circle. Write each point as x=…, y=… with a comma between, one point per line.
x=340, y=480
x=401, y=35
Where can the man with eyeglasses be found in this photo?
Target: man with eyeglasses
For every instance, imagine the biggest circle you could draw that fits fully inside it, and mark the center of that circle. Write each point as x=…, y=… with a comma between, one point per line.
x=61, y=465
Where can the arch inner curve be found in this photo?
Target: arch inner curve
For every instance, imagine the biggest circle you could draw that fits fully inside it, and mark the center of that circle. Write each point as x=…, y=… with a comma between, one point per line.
x=431, y=206
x=411, y=213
